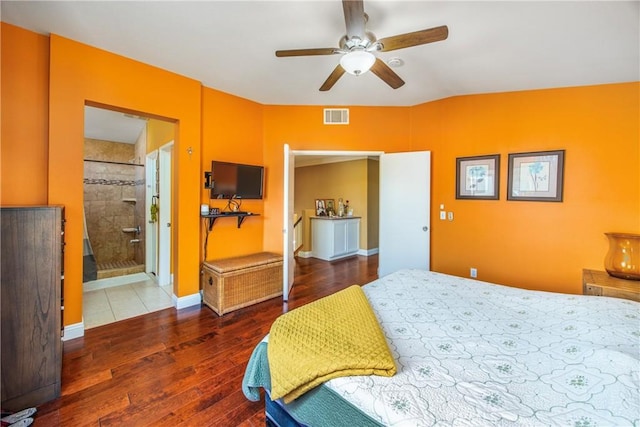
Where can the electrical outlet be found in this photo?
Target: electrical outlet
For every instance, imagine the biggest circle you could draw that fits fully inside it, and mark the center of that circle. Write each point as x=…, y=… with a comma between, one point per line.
x=473, y=272
x=443, y=215
x=450, y=216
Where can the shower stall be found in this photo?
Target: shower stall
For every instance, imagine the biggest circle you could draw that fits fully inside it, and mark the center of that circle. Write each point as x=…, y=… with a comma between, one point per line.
x=114, y=208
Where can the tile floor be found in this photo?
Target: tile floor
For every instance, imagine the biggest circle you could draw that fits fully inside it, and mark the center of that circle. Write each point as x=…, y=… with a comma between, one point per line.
x=110, y=300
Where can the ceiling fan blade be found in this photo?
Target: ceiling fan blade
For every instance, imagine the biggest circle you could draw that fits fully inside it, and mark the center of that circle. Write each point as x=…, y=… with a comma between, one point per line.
x=332, y=79
x=306, y=52
x=383, y=71
x=414, y=39
x=354, y=18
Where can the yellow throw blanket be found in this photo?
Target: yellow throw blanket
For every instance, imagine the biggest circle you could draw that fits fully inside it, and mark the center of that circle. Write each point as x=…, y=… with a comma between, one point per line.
x=332, y=337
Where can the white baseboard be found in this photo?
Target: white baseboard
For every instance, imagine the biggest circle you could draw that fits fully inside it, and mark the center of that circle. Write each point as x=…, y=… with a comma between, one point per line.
x=73, y=331
x=187, y=301
x=368, y=252
x=305, y=254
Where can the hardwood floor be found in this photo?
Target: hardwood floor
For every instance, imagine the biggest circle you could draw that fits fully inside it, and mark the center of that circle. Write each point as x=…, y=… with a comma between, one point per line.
x=181, y=368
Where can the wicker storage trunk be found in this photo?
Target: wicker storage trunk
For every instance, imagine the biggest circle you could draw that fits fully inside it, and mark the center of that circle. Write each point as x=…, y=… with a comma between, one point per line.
x=232, y=283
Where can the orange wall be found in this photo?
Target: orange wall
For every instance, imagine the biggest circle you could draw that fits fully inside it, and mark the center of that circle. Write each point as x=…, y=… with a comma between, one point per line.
x=232, y=132
x=370, y=129
x=528, y=244
x=79, y=74
x=535, y=244
x=25, y=109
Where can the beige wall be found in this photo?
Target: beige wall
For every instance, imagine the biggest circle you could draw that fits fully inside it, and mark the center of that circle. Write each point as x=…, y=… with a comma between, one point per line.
x=349, y=180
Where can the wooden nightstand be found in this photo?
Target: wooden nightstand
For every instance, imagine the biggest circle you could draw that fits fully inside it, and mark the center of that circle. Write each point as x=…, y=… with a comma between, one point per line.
x=600, y=283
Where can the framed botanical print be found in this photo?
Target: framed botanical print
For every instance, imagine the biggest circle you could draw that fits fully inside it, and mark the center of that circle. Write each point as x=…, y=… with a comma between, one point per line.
x=478, y=177
x=536, y=176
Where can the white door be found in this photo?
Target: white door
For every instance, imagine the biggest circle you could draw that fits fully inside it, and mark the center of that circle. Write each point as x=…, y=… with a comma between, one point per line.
x=288, y=261
x=164, y=215
x=151, y=225
x=405, y=193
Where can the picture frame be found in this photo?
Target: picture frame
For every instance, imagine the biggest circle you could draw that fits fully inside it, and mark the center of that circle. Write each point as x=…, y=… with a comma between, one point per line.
x=331, y=207
x=325, y=207
x=321, y=207
x=536, y=176
x=478, y=177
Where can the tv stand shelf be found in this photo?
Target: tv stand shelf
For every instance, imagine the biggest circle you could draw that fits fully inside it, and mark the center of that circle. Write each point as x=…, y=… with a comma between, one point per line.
x=240, y=215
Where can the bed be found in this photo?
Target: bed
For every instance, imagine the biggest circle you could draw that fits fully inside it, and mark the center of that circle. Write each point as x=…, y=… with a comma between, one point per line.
x=472, y=353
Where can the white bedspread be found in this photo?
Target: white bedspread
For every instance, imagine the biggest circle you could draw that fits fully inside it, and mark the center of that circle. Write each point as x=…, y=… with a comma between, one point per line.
x=471, y=353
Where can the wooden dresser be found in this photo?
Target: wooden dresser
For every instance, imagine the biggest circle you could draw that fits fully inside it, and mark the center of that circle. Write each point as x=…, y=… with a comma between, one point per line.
x=32, y=240
x=600, y=283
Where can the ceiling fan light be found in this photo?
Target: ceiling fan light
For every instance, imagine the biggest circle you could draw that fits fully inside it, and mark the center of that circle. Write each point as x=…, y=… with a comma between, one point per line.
x=357, y=62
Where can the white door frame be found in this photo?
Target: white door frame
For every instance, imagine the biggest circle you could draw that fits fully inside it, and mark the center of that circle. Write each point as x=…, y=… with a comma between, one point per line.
x=151, y=228
x=287, y=228
x=288, y=203
x=165, y=214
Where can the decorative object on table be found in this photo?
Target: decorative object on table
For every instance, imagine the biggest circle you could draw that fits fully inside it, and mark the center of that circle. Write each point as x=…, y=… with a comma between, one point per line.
x=340, y=207
x=321, y=208
x=536, y=176
x=623, y=257
x=478, y=177
x=330, y=203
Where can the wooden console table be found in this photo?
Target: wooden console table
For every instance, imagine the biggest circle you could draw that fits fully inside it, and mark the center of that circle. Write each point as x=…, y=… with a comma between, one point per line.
x=596, y=282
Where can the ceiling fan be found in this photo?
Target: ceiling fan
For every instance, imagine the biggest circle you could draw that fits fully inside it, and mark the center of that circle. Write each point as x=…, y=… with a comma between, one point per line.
x=357, y=45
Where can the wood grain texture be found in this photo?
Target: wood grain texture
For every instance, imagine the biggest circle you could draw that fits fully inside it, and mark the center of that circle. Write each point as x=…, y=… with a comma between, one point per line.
x=600, y=283
x=333, y=78
x=182, y=368
x=416, y=38
x=31, y=290
x=385, y=73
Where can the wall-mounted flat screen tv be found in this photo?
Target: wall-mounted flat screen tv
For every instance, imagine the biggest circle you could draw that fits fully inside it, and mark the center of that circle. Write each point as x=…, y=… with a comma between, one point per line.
x=235, y=180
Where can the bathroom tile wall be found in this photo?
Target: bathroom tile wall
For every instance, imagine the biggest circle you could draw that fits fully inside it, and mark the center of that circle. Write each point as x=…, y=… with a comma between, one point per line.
x=140, y=208
x=110, y=199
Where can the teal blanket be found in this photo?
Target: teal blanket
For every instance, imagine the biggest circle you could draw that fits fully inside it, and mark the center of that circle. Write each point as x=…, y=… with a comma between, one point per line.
x=320, y=407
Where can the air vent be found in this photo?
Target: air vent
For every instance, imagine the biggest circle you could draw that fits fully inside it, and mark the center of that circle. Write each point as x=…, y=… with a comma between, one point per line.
x=336, y=116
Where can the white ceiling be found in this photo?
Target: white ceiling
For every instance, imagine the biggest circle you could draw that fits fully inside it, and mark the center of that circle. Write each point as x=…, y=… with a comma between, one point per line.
x=112, y=126
x=229, y=45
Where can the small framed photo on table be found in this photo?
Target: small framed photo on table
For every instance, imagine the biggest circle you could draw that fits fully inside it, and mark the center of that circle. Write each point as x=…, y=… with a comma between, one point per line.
x=536, y=176
x=321, y=207
x=478, y=177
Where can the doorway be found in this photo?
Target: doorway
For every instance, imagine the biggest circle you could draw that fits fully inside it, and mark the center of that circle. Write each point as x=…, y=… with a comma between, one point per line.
x=292, y=158
x=114, y=204
x=404, y=222
x=125, y=292
x=158, y=216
